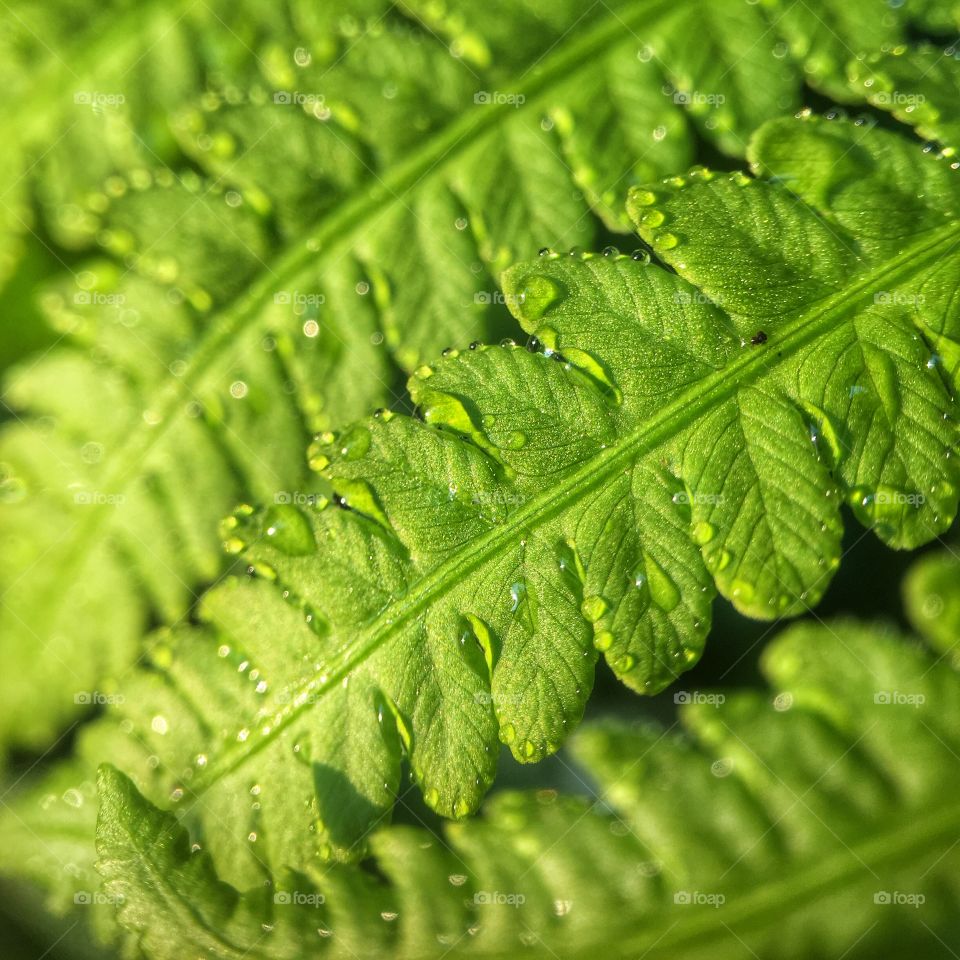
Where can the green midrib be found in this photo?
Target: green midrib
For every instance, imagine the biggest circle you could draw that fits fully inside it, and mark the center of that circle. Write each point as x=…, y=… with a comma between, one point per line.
x=683, y=410
x=772, y=901
x=758, y=905
x=335, y=231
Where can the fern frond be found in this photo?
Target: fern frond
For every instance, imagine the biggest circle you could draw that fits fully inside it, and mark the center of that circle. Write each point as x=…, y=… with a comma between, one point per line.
x=806, y=820
x=917, y=84
x=418, y=169
x=449, y=582
x=671, y=433
x=932, y=603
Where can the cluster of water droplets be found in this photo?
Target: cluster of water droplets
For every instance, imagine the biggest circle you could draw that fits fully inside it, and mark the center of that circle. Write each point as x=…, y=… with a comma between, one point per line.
x=944, y=153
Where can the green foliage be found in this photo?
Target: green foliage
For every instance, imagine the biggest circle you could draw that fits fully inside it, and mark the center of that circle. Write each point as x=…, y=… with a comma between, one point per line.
x=447, y=583
x=248, y=305
x=933, y=603
x=592, y=493
x=267, y=216
x=806, y=820
x=918, y=85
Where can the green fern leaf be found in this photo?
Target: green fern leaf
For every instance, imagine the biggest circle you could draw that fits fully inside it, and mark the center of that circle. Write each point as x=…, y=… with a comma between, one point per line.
x=825, y=37
x=918, y=85
x=932, y=604
x=472, y=160
x=100, y=498
x=936, y=16
x=99, y=532
x=702, y=429
x=786, y=823
x=587, y=496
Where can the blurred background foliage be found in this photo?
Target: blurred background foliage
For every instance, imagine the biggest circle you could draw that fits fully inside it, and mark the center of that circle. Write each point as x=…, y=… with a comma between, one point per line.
x=67, y=166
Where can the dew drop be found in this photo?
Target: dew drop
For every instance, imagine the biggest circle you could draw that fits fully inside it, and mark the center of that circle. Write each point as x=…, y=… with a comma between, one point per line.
x=539, y=295
x=720, y=560
x=742, y=591
x=603, y=640
x=289, y=531
x=703, y=533
x=355, y=442
x=593, y=608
